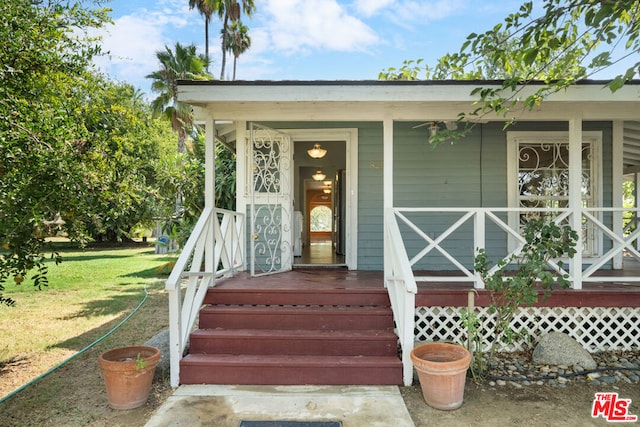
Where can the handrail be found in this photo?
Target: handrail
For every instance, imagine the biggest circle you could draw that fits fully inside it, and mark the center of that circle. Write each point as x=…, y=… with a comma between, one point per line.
x=214, y=249
x=402, y=289
x=400, y=277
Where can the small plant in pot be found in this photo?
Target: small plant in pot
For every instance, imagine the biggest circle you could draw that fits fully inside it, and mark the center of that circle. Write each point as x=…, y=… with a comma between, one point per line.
x=128, y=374
x=510, y=288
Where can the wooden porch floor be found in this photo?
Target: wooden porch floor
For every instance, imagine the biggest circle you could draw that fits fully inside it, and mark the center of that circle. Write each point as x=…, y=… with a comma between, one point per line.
x=600, y=294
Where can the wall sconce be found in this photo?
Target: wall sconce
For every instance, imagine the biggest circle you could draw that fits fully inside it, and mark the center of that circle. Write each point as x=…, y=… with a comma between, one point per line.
x=433, y=129
x=317, y=152
x=434, y=126
x=318, y=176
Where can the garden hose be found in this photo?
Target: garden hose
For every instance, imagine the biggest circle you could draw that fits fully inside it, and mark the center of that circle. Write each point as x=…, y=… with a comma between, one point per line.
x=84, y=350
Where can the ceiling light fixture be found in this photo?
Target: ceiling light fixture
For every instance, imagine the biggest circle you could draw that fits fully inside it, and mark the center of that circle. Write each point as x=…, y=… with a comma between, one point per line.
x=318, y=176
x=317, y=152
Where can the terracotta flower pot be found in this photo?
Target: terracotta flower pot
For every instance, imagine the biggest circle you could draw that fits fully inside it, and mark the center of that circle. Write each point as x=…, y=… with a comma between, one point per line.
x=128, y=384
x=442, y=370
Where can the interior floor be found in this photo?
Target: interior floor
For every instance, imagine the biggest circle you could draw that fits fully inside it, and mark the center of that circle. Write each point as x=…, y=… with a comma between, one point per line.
x=319, y=253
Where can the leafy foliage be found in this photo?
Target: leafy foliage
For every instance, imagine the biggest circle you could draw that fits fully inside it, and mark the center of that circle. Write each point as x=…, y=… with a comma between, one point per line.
x=563, y=42
x=184, y=174
x=180, y=63
x=42, y=60
x=77, y=149
x=510, y=288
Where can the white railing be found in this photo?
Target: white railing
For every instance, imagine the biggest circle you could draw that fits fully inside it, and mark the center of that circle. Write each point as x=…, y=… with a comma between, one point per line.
x=402, y=289
x=412, y=237
x=213, y=250
x=620, y=244
x=430, y=240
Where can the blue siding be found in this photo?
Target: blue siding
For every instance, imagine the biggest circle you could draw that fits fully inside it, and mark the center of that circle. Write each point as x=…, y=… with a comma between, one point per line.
x=470, y=173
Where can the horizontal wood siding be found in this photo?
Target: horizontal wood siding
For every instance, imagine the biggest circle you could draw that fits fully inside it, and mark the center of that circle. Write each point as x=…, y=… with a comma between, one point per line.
x=469, y=173
x=370, y=215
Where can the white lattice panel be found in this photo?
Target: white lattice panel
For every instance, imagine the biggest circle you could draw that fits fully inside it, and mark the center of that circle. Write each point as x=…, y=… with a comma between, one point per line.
x=596, y=328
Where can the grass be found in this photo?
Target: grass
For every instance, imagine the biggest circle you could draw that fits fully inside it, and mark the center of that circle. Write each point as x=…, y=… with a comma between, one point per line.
x=89, y=293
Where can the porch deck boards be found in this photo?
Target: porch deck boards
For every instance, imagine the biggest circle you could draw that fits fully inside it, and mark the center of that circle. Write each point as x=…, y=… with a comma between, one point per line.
x=308, y=281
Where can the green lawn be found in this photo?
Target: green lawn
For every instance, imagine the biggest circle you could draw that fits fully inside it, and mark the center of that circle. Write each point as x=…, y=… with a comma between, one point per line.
x=88, y=293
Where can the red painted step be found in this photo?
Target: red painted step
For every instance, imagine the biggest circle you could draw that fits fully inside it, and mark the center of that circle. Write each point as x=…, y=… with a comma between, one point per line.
x=290, y=370
x=308, y=335
x=294, y=342
x=352, y=297
x=276, y=317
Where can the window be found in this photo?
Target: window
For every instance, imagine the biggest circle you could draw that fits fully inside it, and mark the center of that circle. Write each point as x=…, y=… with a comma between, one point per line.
x=320, y=219
x=539, y=176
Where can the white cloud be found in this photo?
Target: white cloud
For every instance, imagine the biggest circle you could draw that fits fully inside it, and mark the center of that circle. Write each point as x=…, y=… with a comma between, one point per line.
x=409, y=12
x=131, y=42
x=436, y=10
x=371, y=7
x=295, y=26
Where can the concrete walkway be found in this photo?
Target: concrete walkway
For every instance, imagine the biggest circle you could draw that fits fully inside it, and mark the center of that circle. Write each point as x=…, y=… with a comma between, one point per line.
x=226, y=406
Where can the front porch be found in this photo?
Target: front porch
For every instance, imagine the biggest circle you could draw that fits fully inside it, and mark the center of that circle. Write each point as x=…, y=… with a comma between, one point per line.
x=430, y=294
x=601, y=315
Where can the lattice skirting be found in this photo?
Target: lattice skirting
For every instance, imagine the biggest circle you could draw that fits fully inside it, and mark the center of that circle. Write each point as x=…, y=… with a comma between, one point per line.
x=596, y=328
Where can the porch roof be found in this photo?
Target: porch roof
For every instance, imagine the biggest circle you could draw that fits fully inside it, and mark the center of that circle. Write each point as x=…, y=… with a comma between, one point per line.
x=398, y=100
x=402, y=100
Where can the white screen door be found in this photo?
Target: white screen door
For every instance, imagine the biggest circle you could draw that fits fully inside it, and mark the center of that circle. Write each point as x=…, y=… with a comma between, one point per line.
x=271, y=203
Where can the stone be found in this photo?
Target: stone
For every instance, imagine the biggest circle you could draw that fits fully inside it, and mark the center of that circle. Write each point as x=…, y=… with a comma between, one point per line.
x=608, y=380
x=161, y=341
x=557, y=348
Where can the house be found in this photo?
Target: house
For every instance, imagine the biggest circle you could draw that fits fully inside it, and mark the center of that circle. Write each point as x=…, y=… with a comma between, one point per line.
x=405, y=218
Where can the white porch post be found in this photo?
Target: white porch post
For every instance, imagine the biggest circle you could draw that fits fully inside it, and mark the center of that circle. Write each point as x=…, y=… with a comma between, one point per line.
x=210, y=185
x=242, y=165
x=479, y=243
x=616, y=191
x=575, y=194
x=387, y=183
x=636, y=197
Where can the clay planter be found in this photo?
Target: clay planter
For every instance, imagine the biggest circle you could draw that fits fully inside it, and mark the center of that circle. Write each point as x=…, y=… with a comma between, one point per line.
x=442, y=370
x=128, y=387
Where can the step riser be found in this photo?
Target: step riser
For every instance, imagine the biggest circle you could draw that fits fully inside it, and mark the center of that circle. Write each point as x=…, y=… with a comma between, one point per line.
x=274, y=346
x=280, y=297
x=294, y=337
x=294, y=320
x=256, y=375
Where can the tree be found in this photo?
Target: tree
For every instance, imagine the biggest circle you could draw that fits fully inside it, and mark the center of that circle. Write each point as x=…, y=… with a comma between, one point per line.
x=238, y=42
x=43, y=60
x=184, y=175
x=206, y=9
x=183, y=63
x=125, y=143
x=231, y=11
x=569, y=41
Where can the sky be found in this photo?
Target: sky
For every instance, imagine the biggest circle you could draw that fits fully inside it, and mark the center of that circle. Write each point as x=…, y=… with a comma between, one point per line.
x=299, y=39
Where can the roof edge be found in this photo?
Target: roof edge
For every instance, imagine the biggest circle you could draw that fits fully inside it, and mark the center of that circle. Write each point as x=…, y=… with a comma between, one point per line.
x=376, y=82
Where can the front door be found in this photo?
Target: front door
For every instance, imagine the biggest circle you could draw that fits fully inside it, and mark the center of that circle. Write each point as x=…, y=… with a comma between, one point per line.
x=271, y=204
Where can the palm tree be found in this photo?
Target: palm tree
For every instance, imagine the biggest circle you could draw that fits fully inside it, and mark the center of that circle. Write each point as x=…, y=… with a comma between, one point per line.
x=231, y=10
x=238, y=41
x=206, y=8
x=183, y=63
